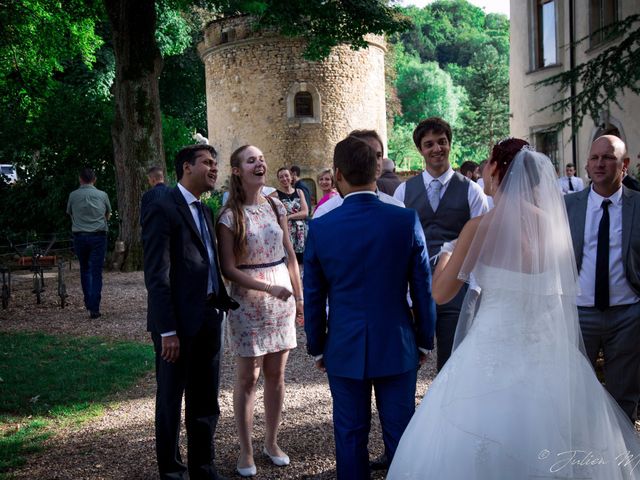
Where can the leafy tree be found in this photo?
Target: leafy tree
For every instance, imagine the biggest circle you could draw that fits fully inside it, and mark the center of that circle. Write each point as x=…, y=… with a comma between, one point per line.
x=426, y=90
x=402, y=149
x=454, y=63
x=486, y=118
x=136, y=131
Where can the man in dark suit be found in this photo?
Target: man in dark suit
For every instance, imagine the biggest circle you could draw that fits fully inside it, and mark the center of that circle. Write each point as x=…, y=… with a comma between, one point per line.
x=158, y=189
x=298, y=183
x=388, y=181
x=605, y=228
x=186, y=301
x=370, y=338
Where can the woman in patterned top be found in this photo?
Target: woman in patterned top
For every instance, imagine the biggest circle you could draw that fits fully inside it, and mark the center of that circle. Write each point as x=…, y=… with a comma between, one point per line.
x=257, y=257
x=297, y=210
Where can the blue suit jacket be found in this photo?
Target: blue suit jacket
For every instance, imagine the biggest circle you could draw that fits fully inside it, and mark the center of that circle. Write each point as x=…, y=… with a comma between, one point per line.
x=361, y=256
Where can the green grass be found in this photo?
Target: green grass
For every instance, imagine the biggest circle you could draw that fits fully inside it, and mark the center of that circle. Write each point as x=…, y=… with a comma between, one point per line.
x=48, y=381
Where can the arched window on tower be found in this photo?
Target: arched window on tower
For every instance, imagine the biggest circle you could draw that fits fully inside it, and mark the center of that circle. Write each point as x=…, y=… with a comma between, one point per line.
x=303, y=104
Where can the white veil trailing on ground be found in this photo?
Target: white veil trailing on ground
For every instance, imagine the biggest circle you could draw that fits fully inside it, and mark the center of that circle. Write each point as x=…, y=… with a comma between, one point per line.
x=518, y=399
x=526, y=236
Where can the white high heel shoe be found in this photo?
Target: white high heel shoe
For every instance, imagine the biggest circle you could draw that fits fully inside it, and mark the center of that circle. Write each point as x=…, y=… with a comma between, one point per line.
x=247, y=471
x=279, y=461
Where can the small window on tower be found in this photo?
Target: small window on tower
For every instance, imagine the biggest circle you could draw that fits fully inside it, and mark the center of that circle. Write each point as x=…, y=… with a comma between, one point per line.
x=303, y=104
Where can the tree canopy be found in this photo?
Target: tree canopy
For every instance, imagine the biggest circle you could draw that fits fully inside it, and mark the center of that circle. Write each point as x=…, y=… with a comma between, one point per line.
x=452, y=63
x=82, y=82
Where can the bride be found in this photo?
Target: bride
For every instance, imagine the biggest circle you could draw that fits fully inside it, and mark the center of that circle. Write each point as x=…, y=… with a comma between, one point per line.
x=518, y=398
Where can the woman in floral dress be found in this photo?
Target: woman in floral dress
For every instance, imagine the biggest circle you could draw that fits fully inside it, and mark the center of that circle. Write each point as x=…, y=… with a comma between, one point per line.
x=257, y=257
x=297, y=210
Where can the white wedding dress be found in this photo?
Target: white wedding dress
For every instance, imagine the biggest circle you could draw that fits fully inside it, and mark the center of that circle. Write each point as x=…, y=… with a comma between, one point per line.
x=518, y=399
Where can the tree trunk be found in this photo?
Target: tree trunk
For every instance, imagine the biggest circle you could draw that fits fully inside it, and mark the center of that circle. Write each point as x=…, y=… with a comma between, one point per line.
x=137, y=125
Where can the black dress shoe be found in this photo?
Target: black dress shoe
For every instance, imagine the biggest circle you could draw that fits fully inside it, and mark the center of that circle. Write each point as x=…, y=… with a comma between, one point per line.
x=95, y=315
x=380, y=463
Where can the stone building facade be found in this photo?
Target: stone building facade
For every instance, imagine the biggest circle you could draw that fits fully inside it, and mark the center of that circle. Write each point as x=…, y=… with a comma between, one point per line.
x=261, y=91
x=544, y=35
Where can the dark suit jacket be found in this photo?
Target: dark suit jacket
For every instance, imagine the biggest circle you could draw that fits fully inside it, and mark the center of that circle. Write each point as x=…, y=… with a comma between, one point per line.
x=362, y=256
x=158, y=191
x=630, y=182
x=307, y=194
x=388, y=182
x=577, y=211
x=176, y=270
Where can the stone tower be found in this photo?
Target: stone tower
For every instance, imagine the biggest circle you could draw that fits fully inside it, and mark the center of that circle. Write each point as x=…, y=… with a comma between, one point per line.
x=261, y=91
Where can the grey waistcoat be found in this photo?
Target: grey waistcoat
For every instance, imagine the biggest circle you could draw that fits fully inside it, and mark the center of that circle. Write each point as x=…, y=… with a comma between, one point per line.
x=453, y=211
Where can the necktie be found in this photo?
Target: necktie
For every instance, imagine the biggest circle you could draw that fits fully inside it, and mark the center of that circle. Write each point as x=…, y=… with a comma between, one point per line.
x=204, y=234
x=601, y=295
x=570, y=184
x=434, y=193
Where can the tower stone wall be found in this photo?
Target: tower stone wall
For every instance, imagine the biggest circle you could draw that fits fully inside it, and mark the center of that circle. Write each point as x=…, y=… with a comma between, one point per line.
x=252, y=78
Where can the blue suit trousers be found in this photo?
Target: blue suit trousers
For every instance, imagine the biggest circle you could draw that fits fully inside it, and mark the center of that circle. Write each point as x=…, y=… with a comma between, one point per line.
x=395, y=400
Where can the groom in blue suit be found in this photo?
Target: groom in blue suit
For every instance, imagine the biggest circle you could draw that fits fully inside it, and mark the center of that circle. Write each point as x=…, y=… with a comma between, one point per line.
x=361, y=257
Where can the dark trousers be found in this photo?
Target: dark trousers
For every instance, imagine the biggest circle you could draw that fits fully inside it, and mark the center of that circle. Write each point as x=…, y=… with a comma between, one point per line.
x=395, y=399
x=90, y=250
x=617, y=332
x=446, y=324
x=197, y=375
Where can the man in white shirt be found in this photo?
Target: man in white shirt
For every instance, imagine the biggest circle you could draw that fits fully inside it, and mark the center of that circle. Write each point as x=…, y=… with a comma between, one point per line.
x=374, y=140
x=570, y=183
x=605, y=228
x=445, y=200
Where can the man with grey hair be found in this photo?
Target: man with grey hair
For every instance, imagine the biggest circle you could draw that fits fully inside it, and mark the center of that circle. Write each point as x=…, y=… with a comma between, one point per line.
x=605, y=228
x=155, y=176
x=388, y=180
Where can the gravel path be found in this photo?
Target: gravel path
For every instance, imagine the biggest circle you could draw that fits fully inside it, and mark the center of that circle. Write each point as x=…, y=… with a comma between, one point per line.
x=120, y=444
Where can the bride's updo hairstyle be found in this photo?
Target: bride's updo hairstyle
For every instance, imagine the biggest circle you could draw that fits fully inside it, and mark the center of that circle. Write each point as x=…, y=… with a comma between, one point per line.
x=503, y=153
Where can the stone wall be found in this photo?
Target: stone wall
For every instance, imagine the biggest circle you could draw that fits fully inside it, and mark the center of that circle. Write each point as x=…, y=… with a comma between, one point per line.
x=252, y=78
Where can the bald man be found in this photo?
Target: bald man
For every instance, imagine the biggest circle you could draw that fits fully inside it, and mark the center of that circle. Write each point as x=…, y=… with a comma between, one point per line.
x=605, y=228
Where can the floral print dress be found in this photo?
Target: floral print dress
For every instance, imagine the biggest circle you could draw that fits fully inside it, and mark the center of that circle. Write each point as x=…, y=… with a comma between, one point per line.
x=263, y=323
x=297, y=228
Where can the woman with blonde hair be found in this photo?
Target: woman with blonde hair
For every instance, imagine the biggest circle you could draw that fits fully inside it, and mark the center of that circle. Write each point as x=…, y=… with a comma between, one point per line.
x=327, y=185
x=258, y=259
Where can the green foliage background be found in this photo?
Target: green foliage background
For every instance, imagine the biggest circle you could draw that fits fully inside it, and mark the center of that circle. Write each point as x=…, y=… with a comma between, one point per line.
x=453, y=63
x=57, y=70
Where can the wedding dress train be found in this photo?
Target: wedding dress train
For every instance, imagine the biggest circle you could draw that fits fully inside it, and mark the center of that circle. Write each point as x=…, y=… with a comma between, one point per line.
x=517, y=399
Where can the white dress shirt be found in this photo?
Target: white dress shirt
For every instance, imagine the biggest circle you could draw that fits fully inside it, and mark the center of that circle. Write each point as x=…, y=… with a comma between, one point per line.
x=489, y=197
x=620, y=292
x=337, y=200
x=563, y=183
x=477, y=199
